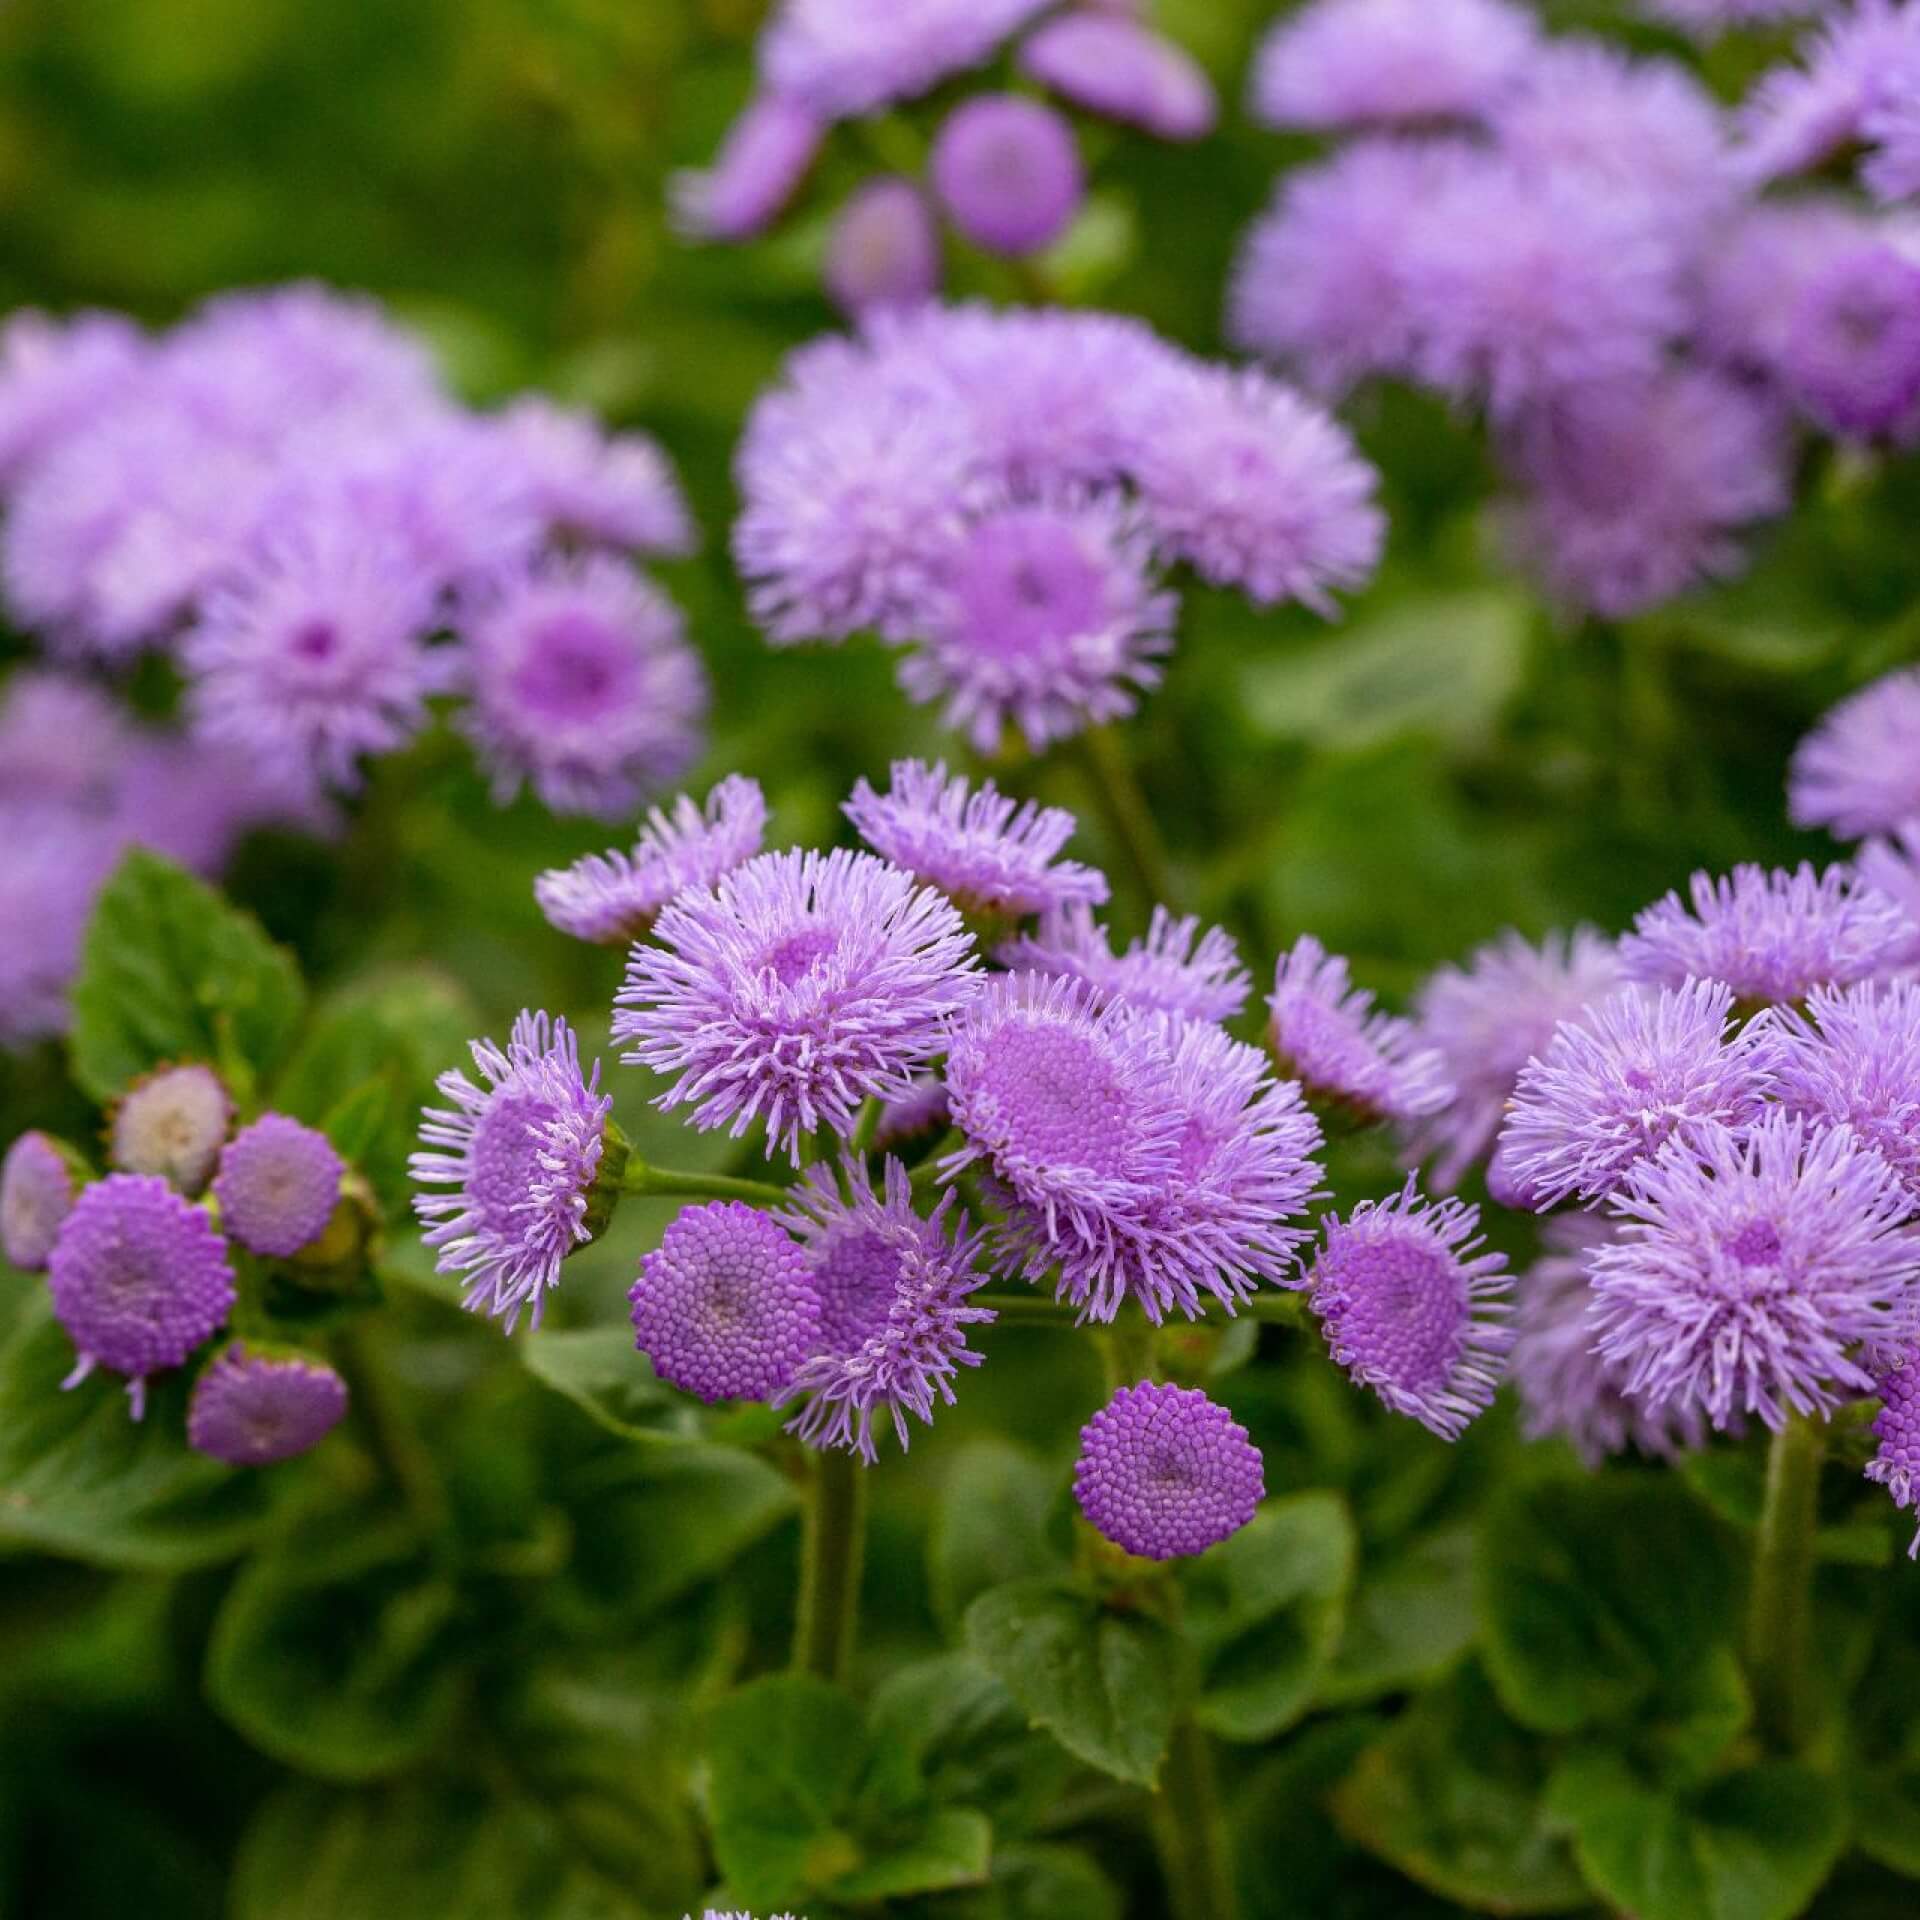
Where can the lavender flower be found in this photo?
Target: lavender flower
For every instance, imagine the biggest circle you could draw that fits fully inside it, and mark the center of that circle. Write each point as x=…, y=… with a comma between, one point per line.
x=1852, y=357
x=1411, y=1309
x=1122, y=70
x=1857, y=772
x=1175, y=968
x=918, y=1114
x=1752, y=278
x=612, y=898
x=884, y=250
x=1892, y=170
x=725, y=1307
x=171, y=1122
x=254, y=1408
x=37, y=1188
x=1891, y=866
x=1803, y=114
x=54, y=868
x=139, y=1279
x=990, y=857
x=522, y=1153
x=616, y=490
x=1856, y=1062
x=767, y=153
x=1752, y=1267
x=799, y=986
x=277, y=1185
x=1896, y=1466
x=1615, y=1085
x=54, y=373
x=1008, y=173
x=63, y=744
x=1164, y=1472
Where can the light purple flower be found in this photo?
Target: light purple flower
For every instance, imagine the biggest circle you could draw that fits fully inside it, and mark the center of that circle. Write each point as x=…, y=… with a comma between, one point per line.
x=919, y=1114
x=768, y=151
x=277, y=1185
x=1122, y=70
x=171, y=1122
x=1751, y=1269
x=1891, y=865
x=1858, y=771
x=37, y=1189
x=63, y=744
x=1412, y=1309
x=54, y=869
x=1751, y=278
x=254, y=1408
x=139, y=1279
x=1856, y=1062
x=1892, y=170
x=884, y=249
x=799, y=986
x=1173, y=968
x=1852, y=353
x=54, y=373
x=1165, y=1472
x=521, y=1152
x=1802, y=114
x=1007, y=171
x=1896, y=1466
x=617, y=489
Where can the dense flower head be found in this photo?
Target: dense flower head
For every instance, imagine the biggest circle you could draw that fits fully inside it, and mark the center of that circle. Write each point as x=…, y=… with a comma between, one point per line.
x=1803, y=113
x=37, y=1188
x=171, y=1122
x=1172, y=968
x=1616, y=1084
x=1752, y=1268
x=1122, y=70
x=520, y=1150
x=1852, y=353
x=768, y=151
x=1770, y=935
x=1007, y=171
x=609, y=489
x=611, y=898
x=988, y=854
x=63, y=743
x=1854, y=1060
x=895, y=1305
x=884, y=250
x=1858, y=771
x=54, y=868
x=1750, y=279
x=1328, y=1034
x=1165, y=1472
x=797, y=987
x=1892, y=170
x=1411, y=1307
x=139, y=1278
x=1896, y=1465
x=1891, y=864
x=55, y=372
x=726, y=1307
x=253, y=1408
x=277, y=1185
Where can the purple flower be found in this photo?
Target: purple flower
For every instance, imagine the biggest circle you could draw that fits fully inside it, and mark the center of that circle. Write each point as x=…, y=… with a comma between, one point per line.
x=1771, y=936
x=1330, y=1036
x=1858, y=771
x=1750, y=1268
x=1615, y=1085
x=797, y=987
x=1892, y=170
x=277, y=1185
x=586, y=484
x=63, y=744
x=1852, y=356
x=1047, y=616
x=37, y=1188
x=612, y=898
x=884, y=250
x=1008, y=172
x=725, y=1307
x=171, y=1122
x=139, y=1279
x=1348, y=63
x=54, y=868
x=894, y=1295
x=989, y=856
x=1411, y=1309
x=1896, y=1466
x=1486, y=1021
x=1122, y=70
x=1803, y=114
x=769, y=150
x=1164, y=1472
x=1175, y=968
x=253, y=1408
x=54, y=373
x=583, y=685
x=1751, y=279
x=522, y=1152
x=921, y=1113
x=1856, y=1062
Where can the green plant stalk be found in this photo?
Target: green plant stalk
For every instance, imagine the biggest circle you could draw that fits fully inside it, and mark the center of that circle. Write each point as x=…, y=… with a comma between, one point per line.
x=1190, y=1830
x=833, y=1546
x=668, y=1182
x=1130, y=1351
x=1780, y=1608
x=1117, y=792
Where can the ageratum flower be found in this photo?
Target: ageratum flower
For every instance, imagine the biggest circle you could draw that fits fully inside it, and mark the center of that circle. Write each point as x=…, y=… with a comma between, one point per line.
x=63, y=744
x=1852, y=357
x=522, y=1150
x=1856, y=1062
x=1896, y=1466
x=171, y=1122
x=37, y=1188
x=884, y=249
x=799, y=986
x=1753, y=1268
x=587, y=485
x=989, y=856
x=768, y=151
x=1617, y=1084
x=1007, y=171
x=612, y=898
x=725, y=1307
x=138, y=1278
x=54, y=373
x=254, y=1408
x=1175, y=968
x=1751, y=278
x=1122, y=70
x=1165, y=1472
x=921, y=1114
x=1802, y=114
x=54, y=869
x=1858, y=772
x=1412, y=1309
x=1892, y=170
x=277, y=1185
x=1770, y=936
x=894, y=1292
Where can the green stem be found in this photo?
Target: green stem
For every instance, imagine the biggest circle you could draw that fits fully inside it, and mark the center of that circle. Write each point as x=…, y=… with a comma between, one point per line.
x=1129, y=818
x=832, y=1552
x=642, y=1178
x=1780, y=1608
x=1190, y=1830
x=1130, y=1355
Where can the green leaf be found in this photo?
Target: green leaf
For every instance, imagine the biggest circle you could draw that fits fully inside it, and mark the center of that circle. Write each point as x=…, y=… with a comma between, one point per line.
x=1408, y=1620
x=1886, y=1820
x=952, y=1847
x=598, y=1369
x=1103, y=1684
x=81, y=1478
x=170, y=971
x=989, y=1526
x=1732, y=1481
x=1750, y=1845
x=1265, y=1611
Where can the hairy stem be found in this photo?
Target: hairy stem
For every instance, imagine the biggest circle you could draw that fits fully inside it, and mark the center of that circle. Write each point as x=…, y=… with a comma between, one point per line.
x=1780, y=1609
x=832, y=1552
x=668, y=1182
x=1117, y=792
x=1190, y=1830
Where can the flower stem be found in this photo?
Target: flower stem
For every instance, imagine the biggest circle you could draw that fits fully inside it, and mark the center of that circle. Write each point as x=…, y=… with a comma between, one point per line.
x=666, y=1181
x=832, y=1552
x=1190, y=1830
x=1780, y=1608
x=1130, y=1351
x=1117, y=792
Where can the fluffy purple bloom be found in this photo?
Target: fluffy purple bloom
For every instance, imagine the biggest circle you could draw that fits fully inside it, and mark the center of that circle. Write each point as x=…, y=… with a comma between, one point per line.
x=611, y=898
x=1165, y=1472
x=1349, y=63
x=884, y=250
x=37, y=1188
x=583, y=685
x=799, y=986
x=989, y=856
x=54, y=868
x=1751, y=279
x=54, y=373
x=1770, y=936
x=1007, y=170
x=1802, y=114
x=894, y=1293
x=1616, y=1084
x=919, y=1114
x=171, y=1122
x=277, y=1185
x=254, y=1409
x=1892, y=170
x=1852, y=353
x=521, y=1152
x=1896, y=1466
x=1858, y=771
x=1412, y=1309
x=1751, y=1268
x=1122, y=70
x=63, y=744
x=726, y=1307
x=1174, y=968
x=768, y=151
x=139, y=1279
x=1856, y=1062
x=1487, y=1020
x=614, y=489
x=1891, y=865
x=1328, y=1034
